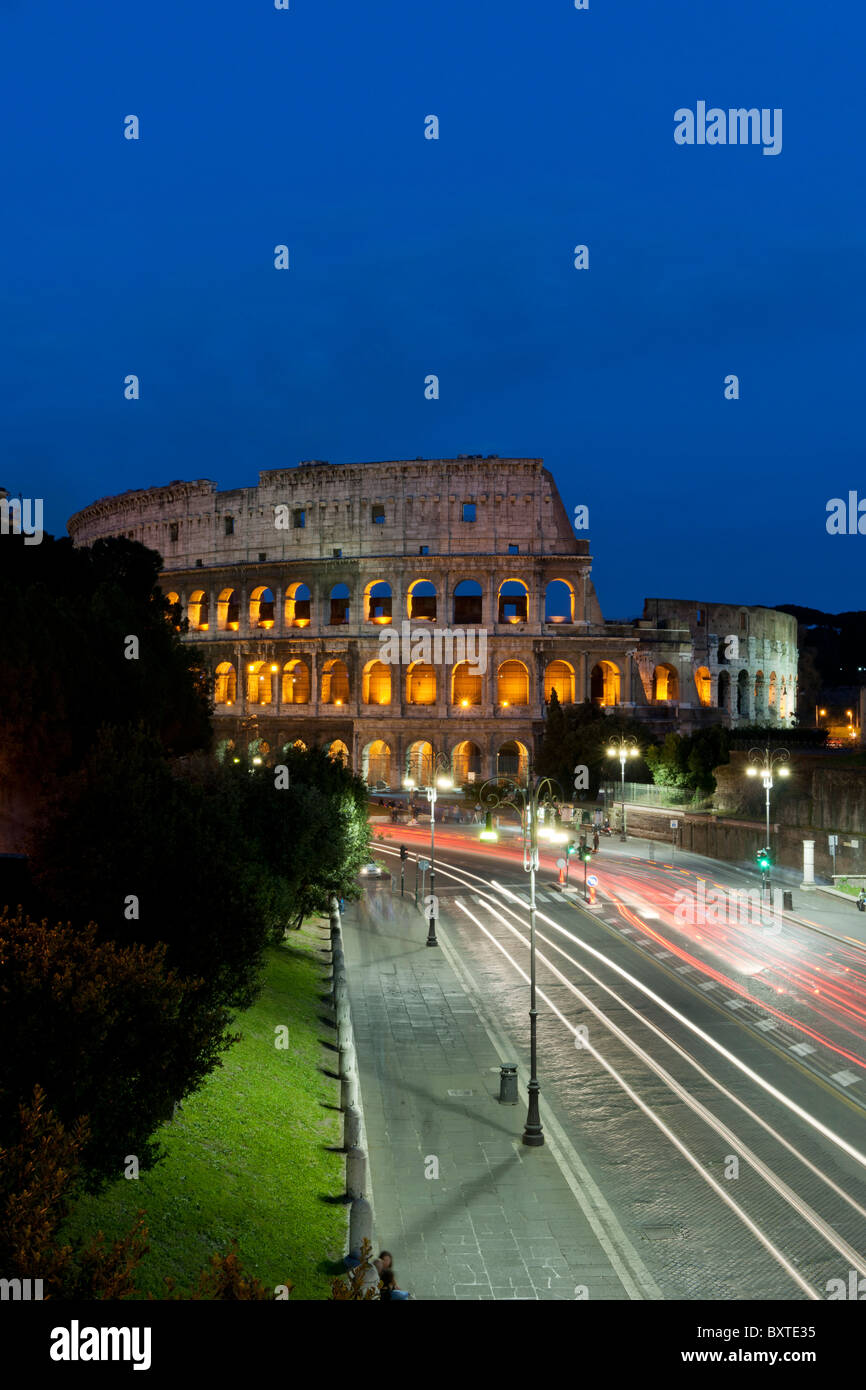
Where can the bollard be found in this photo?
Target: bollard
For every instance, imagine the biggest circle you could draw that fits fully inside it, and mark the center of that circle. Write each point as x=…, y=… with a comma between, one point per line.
x=348, y=1060
x=787, y=902
x=344, y=1031
x=349, y=1090
x=352, y=1128
x=508, y=1083
x=342, y=1011
x=340, y=992
x=360, y=1224
x=356, y=1173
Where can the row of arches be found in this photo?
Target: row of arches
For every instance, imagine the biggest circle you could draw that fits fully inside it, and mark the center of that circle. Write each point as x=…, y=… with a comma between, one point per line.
x=421, y=683
x=379, y=763
x=776, y=694
x=377, y=600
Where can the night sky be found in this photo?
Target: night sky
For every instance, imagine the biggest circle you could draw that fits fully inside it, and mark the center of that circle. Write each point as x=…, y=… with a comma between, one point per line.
x=452, y=257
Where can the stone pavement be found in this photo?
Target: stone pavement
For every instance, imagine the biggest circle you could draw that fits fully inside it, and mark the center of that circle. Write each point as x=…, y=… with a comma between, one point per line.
x=500, y=1220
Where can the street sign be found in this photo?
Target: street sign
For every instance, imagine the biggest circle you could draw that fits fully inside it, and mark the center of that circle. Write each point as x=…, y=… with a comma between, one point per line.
x=560, y=863
x=832, y=841
x=592, y=881
x=675, y=825
x=423, y=865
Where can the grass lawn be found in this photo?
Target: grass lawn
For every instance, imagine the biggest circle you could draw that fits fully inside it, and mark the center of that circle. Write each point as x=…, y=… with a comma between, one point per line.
x=247, y=1156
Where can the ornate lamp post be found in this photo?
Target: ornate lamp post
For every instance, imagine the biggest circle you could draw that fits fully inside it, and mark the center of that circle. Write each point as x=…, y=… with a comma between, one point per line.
x=762, y=763
x=527, y=801
x=438, y=776
x=623, y=748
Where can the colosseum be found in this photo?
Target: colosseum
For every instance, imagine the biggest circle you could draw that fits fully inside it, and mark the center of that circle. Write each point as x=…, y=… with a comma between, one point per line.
x=396, y=612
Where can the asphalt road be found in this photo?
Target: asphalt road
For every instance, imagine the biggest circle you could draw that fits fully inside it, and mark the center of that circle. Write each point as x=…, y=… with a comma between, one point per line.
x=706, y=1059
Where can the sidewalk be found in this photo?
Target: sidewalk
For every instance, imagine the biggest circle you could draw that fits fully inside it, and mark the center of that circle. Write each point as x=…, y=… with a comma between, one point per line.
x=500, y=1221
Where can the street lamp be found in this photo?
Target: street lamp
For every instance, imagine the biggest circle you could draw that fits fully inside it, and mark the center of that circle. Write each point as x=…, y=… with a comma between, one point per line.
x=526, y=801
x=762, y=763
x=439, y=777
x=623, y=748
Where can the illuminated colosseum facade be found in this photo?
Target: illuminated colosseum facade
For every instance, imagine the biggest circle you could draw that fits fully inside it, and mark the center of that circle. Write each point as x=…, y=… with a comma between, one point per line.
x=348, y=605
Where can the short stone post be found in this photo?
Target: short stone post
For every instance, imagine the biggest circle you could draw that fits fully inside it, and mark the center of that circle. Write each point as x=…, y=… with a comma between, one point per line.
x=360, y=1224
x=808, y=884
x=356, y=1173
x=351, y=1128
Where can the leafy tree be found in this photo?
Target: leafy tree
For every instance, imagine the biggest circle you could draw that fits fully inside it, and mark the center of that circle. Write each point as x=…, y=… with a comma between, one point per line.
x=580, y=735
x=106, y=1031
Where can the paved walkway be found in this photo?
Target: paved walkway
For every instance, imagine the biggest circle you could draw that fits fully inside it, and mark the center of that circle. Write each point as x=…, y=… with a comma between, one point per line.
x=499, y=1220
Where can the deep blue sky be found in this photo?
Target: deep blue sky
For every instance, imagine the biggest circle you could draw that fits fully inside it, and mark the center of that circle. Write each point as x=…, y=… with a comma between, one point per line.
x=411, y=256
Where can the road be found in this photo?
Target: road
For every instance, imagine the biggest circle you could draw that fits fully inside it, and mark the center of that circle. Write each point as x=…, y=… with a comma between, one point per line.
x=708, y=1061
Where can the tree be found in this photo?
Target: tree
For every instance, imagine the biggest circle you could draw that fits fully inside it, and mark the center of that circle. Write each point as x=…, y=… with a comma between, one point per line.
x=579, y=735
x=107, y=1032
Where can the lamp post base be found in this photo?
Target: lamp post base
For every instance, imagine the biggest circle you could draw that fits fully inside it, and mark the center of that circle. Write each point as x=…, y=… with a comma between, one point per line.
x=533, y=1134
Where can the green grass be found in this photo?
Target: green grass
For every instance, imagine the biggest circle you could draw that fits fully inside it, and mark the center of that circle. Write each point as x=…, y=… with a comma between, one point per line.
x=247, y=1156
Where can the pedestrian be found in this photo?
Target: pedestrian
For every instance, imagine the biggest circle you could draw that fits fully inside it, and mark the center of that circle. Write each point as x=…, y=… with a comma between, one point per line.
x=595, y=840
x=390, y=1289
x=384, y=1260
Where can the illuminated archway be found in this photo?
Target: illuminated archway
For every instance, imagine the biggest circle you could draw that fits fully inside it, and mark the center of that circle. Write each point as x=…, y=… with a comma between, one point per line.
x=759, y=691
x=771, y=693
x=421, y=601
x=605, y=684
x=704, y=684
x=376, y=683
x=559, y=676
x=296, y=683
x=666, y=682
x=466, y=763
x=512, y=684
x=376, y=763
x=377, y=602
x=298, y=603
x=465, y=688
x=513, y=602
x=559, y=602
x=225, y=684
x=197, y=611
x=421, y=684
x=335, y=683
x=259, y=683
x=262, y=607
x=512, y=760
x=419, y=762
x=338, y=752
x=228, y=611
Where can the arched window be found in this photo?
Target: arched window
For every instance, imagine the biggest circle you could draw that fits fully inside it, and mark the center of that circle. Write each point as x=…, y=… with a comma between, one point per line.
x=259, y=683
x=759, y=691
x=559, y=676
x=197, y=611
x=376, y=763
x=704, y=684
x=724, y=690
x=225, y=684
x=338, y=752
x=296, y=683
x=376, y=683
x=262, y=605
x=468, y=603
x=421, y=684
x=559, y=602
x=513, y=760
x=512, y=684
x=297, y=605
x=228, y=611
x=466, y=763
x=743, y=693
x=421, y=601
x=465, y=687
x=513, y=602
x=335, y=683
x=339, y=609
x=771, y=693
x=666, y=682
x=419, y=762
x=377, y=603
x=605, y=684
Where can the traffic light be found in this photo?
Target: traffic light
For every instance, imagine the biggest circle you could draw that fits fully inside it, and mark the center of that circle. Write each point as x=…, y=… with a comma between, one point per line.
x=404, y=853
x=764, y=860
x=586, y=854
x=572, y=849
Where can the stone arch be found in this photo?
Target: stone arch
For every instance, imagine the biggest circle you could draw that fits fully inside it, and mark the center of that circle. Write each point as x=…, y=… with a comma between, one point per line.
x=512, y=760
x=759, y=691
x=419, y=762
x=421, y=684
x=512, y=683
x=666, y=682
x=376, y=763
x=421, y=601
x=466, y=688
x=704, y=684
x=296, y=682
x=559, y=601
x=225, y=684
x=340, y=606
x=376, y=683
x=771, y=692
x=259, y=683
x=338, y=752
x=742, y=693
x=724, y=688
x=298, y=605
x=468, y=603
x=262, y=607
x=512, y=602
x=377, y=602
x=466, y=762
x=335, y=682
x=228, y=611
x=197, y=610
x=605, y=682
x=559, y=676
